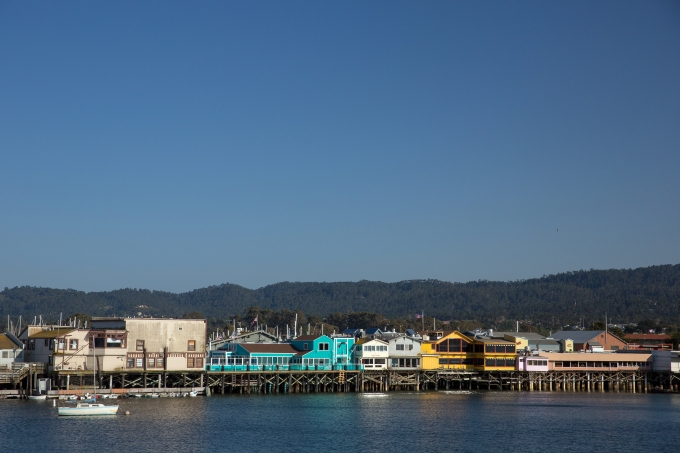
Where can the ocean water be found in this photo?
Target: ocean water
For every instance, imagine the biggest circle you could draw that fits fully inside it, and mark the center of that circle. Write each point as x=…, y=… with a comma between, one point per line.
x=456, y=421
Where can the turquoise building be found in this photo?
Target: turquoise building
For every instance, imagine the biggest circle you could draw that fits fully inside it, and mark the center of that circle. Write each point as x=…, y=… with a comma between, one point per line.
x=252, y=357
x=308, y=352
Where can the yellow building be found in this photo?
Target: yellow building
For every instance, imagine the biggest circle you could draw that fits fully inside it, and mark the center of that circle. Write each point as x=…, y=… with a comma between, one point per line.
x=456, y=351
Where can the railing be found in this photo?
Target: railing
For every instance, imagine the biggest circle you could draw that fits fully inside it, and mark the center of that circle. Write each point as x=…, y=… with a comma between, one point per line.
x=291, y=367
x=19, y=370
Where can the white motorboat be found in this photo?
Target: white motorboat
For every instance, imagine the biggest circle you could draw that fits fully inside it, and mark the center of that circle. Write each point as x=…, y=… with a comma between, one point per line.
x=37, y=397
x=88, y=409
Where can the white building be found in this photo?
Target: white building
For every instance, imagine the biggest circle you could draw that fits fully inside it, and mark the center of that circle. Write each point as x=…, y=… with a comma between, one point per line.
x=404, y=353
x=372, y=354
x=11, y=350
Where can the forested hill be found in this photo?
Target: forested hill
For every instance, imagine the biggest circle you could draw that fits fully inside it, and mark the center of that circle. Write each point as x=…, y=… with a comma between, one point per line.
x=626, y=295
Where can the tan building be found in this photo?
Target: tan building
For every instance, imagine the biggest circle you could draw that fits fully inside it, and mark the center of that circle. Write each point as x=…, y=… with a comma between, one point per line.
x=598, y=361
x=151, y=344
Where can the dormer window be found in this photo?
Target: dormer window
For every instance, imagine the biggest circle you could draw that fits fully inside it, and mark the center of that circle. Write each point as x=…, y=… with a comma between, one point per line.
x=305, y=346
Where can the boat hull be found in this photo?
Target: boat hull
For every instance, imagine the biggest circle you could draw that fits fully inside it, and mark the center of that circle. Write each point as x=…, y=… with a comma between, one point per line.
x=90, y=409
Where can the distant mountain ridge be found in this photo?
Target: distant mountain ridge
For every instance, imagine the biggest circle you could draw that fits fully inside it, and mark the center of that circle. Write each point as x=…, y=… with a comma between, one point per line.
x=625, y=294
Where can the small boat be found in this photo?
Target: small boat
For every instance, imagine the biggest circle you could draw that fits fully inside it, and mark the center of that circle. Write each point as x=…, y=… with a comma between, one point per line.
x=88, y=409
x=87, y=405
x=37, y=397
x=73, y=397
x=193, y=393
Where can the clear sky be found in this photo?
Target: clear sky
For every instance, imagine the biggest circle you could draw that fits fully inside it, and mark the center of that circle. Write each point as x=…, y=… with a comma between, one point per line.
x=177, y=145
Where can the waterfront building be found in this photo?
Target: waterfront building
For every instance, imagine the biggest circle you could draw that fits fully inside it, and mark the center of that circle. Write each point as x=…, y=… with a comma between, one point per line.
x=342, y=352
x=666, y=361
x=591, y=340
x=372, y=354
x=403, y=353
x=56, y=347
x=532, y=363
x=314, y=353
x=252, y=357
x=448, y=351
x=456, y=351
x=151, y=344
x=599, y=361
x=11, y=350
x=649, y=341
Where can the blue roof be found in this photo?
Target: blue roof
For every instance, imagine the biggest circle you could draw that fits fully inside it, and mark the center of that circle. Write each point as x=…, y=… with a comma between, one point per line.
x=372, y=331
x=411, y=332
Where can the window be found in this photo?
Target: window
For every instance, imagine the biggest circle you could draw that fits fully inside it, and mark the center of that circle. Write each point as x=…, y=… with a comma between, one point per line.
x=61, y=344
x=190, y=362
x=139, y=363
x=454, y=345
x=410, y=347
x=323, y=346
x=510, y=349
x=490, y=362
x=5, y=354
x=443, y=361
x=305, y=346
x=191, y=346
x=151, y=362
x=73, y=344
x=199, y=363
x=140, y=345
x=130, y=362
x=400, y=347
x=615, y=348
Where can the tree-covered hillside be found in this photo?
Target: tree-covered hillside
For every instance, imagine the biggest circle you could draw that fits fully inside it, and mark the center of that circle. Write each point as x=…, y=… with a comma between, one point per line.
x=626, y=295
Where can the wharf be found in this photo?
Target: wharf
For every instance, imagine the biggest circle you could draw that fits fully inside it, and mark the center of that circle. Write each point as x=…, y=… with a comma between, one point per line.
x=327, y=381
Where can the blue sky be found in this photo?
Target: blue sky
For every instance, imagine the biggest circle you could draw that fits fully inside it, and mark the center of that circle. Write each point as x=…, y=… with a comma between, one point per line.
x=177, y=145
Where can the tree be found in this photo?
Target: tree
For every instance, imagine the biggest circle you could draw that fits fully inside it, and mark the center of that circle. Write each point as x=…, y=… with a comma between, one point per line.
x=193, y=315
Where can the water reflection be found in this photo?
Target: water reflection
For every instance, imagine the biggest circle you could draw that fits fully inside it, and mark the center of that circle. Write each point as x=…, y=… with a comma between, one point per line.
x=394, y=421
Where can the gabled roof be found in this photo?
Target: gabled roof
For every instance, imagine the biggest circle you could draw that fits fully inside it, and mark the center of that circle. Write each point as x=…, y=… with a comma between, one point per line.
x=578, y=336
x=411, y=332
x=368, y=340
x=7, y=342
x=273, y=348
x=373, y=331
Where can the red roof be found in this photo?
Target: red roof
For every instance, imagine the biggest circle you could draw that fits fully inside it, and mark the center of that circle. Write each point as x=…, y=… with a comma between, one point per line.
x=647, y=336
x=273, y=348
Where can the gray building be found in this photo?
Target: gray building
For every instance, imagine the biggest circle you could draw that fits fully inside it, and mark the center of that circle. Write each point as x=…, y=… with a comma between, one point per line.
x=404, y=353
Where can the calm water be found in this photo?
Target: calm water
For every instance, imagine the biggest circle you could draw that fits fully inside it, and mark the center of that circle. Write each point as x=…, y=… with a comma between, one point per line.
x=429, y=422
